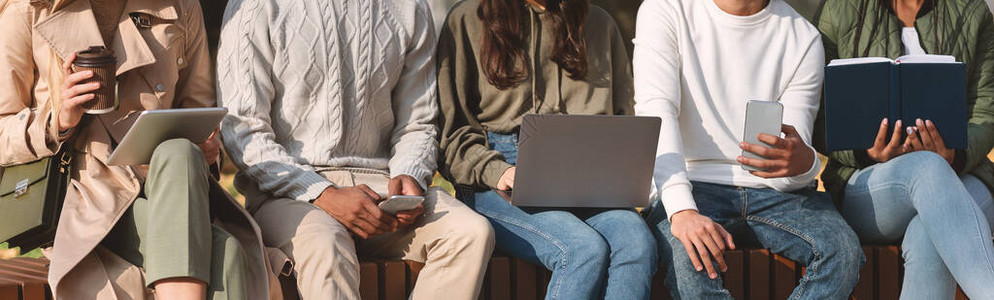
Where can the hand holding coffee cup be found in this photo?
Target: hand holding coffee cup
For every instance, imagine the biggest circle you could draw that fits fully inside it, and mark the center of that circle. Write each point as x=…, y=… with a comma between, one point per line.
x=89, y=86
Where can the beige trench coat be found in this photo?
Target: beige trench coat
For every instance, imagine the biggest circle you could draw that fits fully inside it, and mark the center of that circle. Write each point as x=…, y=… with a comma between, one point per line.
x=163, y=65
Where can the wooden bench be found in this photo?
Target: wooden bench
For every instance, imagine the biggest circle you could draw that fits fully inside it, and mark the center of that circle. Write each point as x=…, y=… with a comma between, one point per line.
x=753, y=274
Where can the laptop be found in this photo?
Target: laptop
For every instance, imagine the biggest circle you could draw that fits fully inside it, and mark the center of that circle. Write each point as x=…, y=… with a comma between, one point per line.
x=585, y=161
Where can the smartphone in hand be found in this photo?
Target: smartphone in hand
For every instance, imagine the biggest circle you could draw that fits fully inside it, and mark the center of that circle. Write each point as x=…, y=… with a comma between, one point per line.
x=761, y=117
x=399, y=203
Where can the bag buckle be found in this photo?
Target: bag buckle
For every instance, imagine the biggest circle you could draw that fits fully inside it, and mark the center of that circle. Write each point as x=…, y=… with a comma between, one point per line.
x=21, y=188
x=141, y=20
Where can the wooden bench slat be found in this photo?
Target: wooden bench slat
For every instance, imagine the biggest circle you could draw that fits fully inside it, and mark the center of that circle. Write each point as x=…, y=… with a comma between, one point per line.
x=19, y=265
x=888, y=272
x=369, y=281
x=753, y=274
x=758, y=279
x=960, y=295
x=394, y=285
x=784, y=277
x=499, y=279
x=524, y=281
x=31, y=287
x=413, y=269
x=659, y=291
x=9, y=289
x=735, y=277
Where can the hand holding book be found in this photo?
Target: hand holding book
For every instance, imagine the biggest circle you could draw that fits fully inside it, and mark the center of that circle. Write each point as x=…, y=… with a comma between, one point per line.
x=884, y=150
x=925, y=137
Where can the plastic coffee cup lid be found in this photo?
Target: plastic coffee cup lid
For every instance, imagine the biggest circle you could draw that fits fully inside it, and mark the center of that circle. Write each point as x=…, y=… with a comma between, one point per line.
x=95, y=56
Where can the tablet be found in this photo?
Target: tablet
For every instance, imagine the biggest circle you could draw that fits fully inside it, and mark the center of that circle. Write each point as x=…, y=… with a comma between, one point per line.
x=156, y=126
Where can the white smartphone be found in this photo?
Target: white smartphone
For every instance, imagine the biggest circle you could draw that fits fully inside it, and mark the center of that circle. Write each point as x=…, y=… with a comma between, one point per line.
x=761, y=117
x=399, y=203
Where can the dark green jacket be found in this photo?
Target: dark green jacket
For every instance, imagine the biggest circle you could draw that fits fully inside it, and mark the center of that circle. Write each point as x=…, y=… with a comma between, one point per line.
x=961, y=28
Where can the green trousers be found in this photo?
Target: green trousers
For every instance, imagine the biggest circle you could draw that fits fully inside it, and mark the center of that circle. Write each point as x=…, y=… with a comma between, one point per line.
x=169, y=234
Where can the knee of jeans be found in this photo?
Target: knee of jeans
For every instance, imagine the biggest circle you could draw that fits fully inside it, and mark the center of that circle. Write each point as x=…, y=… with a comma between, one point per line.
x=928, y=164
x=843, y=250
x=589, y=249
x=637, y=247
x=180, y=150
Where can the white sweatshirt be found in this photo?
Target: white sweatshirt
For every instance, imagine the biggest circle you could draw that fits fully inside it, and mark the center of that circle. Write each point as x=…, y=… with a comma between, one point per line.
x=697, y=66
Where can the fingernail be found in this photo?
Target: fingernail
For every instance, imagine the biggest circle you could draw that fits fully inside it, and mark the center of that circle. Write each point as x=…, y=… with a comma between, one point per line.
x=884, y=121
x=898, y=123
x=713, y=275
x=911, y=130
x=699, y=269
x=918, y=121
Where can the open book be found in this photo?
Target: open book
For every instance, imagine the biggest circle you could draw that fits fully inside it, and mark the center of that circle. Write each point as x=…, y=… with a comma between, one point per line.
x=860, y=92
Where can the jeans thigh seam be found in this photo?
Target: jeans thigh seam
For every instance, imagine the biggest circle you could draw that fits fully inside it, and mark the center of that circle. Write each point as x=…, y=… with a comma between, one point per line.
x=869, y=188
x=555, y=289
x=813, y=267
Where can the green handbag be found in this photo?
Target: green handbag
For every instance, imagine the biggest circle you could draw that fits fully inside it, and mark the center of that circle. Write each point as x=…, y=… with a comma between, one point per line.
x=31, y=197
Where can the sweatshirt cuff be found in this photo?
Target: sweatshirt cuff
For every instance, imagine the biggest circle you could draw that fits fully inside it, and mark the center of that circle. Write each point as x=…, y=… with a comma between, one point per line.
x=677, y=198
x=492, y=171
x=422, y=176
x=308, y=186
x=812, y=172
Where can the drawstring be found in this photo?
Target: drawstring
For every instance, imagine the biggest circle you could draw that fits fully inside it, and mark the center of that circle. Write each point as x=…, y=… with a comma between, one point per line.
x=534, y=40
x=535, y=56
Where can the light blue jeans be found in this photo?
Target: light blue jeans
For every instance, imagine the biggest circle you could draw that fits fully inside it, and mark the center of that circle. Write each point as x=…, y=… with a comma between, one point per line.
x=944, y=220
x=593, y=253
x=802, y=226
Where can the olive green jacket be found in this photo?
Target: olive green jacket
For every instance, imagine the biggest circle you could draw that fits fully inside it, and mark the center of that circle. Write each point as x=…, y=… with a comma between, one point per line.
x=961, y=28
x=471, y=106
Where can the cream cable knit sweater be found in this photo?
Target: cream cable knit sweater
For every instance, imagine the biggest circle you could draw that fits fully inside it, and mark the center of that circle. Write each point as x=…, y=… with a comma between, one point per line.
x=314, y=85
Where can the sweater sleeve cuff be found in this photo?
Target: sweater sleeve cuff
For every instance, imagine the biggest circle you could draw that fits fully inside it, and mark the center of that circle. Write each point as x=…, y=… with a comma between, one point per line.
x=863, y=158
x=677, y=198
x=308, y=186
x=492, y=171
x=422, y=176
x=959, y=161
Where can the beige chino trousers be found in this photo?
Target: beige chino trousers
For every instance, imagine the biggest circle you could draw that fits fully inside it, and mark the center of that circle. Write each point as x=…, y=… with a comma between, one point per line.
x=452, y=240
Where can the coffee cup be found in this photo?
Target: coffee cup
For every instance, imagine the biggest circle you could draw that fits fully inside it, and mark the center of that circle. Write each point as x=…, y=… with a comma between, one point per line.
x=103, y=63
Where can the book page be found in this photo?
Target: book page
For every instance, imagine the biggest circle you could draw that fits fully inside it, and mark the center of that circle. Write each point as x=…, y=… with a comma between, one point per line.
x=926, y=59
x=858, y=60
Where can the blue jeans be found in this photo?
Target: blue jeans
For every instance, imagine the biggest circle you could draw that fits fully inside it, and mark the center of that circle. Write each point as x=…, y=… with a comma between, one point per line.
x=802, y=226
x=593, y=253
x=944, y=220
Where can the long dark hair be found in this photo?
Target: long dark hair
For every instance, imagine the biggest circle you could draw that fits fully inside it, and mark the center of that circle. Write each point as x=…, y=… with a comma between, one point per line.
x=503, y=52
x=886, y=7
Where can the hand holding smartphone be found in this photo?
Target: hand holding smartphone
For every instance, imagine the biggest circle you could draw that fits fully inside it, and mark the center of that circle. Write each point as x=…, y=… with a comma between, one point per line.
x=399, y=203
x=761, y=117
